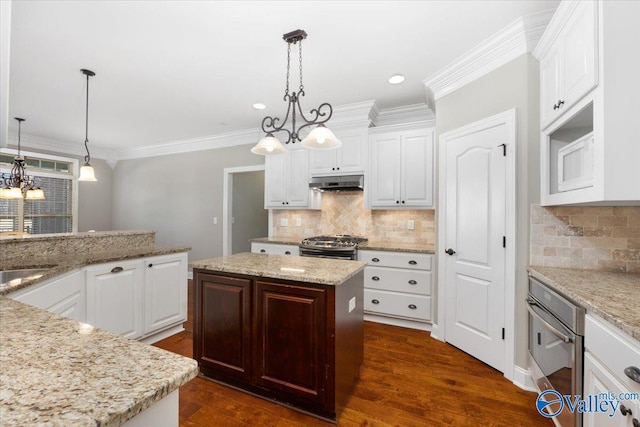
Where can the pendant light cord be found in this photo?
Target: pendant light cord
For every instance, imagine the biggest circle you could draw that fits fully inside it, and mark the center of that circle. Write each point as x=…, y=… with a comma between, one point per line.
x=19, y=132
x=86, y=123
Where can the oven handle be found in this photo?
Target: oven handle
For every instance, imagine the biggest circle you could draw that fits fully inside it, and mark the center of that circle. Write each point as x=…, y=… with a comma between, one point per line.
x=553, y=330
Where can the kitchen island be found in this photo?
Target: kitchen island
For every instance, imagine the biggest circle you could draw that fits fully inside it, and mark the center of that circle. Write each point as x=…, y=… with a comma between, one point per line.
x=289, y=329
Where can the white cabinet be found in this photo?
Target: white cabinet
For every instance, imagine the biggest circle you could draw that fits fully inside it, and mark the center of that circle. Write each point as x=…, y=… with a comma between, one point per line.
x=397, y=287
x=63, y=295
x=165, y=291
x=274, y=249
x=349, y=158
x=287, y=181
x=587, y=78
x=608, y=353
x=115, y=297
x=401, y=173
x=568, y=70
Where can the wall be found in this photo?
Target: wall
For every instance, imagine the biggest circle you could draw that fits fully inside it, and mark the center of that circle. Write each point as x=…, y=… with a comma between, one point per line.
x=177, y=196
x=514, y=85
x=587, y=238
x=251, y=219
x=344, y=213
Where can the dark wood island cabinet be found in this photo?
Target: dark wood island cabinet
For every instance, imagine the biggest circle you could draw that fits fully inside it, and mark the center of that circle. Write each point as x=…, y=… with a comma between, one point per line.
x=284, y=328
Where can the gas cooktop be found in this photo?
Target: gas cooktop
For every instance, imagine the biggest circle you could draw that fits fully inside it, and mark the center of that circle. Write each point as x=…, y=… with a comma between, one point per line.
x=332, y=242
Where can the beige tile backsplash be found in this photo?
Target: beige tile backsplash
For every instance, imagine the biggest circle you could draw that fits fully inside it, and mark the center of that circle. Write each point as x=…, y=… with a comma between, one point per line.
x=344, y=213
x=589, y=238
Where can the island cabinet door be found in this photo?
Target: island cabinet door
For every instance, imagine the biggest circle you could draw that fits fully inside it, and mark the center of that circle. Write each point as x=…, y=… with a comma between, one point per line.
x=222, y=344
x=292, y=341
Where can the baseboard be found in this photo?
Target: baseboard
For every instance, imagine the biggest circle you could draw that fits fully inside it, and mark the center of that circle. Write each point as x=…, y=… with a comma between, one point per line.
x=398, y=322
x=435, y=333
x=166, y=333
x=522, y=378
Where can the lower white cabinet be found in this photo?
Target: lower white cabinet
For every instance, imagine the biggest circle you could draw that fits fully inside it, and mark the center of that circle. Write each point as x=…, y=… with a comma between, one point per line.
x=274, y=249
x=165, y=291
x=397, y=287
x=62, y=295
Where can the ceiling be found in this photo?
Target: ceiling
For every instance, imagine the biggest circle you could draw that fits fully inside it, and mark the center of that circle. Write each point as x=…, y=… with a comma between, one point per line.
x=176, y=70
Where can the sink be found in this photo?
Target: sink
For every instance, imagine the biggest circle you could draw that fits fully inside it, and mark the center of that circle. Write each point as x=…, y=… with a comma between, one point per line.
x=7, y=276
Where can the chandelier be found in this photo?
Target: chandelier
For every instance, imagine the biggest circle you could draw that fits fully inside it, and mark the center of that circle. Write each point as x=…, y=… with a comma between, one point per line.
x=320, y=138
x=17, y=184
x=86, y=171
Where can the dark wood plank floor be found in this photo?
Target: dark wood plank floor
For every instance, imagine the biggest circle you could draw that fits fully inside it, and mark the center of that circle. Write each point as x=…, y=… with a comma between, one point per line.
x=408, y=379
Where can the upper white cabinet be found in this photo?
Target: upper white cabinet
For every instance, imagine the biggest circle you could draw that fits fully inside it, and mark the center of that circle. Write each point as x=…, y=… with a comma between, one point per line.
x=349, y=158
x=568, y=70
x=401, y=173
x=590, y=138
x=287, y=181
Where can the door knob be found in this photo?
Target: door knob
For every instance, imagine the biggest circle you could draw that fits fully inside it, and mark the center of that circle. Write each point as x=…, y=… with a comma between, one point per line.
x=450, y=251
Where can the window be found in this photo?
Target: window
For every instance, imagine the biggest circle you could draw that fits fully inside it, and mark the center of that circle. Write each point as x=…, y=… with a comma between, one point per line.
x=57, y=213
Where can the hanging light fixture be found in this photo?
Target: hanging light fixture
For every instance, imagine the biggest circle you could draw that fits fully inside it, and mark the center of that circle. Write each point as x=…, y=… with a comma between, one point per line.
x=17, y=184
x=86, y=171
x=320, y=138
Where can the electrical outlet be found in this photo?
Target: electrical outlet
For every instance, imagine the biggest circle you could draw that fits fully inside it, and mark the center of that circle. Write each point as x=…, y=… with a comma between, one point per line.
x=352, y=304
x=411, y=224
x=298, y=222
x=215, y=220
x=284, y=222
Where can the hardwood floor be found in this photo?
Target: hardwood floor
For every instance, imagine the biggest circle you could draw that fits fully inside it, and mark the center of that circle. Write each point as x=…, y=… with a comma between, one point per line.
x=407, y=379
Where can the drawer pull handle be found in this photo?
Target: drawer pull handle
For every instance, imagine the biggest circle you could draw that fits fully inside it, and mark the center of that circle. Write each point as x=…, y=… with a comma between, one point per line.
x=375, y=260
x=633, y=373
x=117, y=269
x=413, y=282
x=375, y=301
x=376, y=278
x=412, y=262
x=263, y=250
x=412, y=306
x=287, y=253
x=625, y=411
x=150, y=265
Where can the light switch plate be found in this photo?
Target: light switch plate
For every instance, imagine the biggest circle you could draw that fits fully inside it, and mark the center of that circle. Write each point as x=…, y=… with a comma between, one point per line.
x=284, y=222
x=352, y=304
x=298, y=222
x=411, y=224
x=215, y=220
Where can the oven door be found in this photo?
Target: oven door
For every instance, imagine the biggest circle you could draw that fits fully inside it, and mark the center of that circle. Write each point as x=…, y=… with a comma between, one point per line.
x=556, y=358
x=328, y=253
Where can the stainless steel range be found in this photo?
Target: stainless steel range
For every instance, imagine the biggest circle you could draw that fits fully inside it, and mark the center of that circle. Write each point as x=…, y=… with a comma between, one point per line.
x=341, y=246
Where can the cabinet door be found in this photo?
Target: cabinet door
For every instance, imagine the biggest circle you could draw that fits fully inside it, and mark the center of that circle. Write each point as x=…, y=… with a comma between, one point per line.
x=351, y=155
x=322, y=162
x=64, y=296
x=165, y=291
x=385, y=170
x=222, y=331
x=291, y=340
x=275, y=190
x=550, y=85
x=297, y=180
x=417, y=169
x=114, y=297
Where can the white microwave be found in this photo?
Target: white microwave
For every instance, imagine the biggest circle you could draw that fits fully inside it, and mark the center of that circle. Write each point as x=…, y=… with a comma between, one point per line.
x=575, y=164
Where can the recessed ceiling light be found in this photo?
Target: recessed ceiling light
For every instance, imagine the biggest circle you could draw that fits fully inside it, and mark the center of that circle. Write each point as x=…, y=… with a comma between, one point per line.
x=259, y=106
x=396, y=79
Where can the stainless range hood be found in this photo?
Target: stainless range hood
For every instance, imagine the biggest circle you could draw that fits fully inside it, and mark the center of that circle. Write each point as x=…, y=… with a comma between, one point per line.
x=337, y=183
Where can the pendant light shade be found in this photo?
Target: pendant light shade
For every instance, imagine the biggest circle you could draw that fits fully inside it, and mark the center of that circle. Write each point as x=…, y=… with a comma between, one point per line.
x=321, y=138
x=269, y=145
x=86, y=171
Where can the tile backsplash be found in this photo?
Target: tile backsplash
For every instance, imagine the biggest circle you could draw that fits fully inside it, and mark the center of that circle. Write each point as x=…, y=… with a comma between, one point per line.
x=344, y=213
x=589, y=238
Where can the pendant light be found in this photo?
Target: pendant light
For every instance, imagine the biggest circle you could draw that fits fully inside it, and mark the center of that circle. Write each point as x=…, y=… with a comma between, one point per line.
x=320, y=138
x=86, y=171
x=17, y=184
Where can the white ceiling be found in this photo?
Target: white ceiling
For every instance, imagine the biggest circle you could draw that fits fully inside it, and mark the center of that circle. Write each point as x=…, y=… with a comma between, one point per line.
x=176, y=70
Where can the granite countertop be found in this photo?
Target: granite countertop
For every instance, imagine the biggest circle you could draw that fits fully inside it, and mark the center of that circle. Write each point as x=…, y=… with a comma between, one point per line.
x=61, y=264
x=302, y=269
x=59, y=372
x=610, y=295
x=278, y=240
x=78, y=235
x=372, y=245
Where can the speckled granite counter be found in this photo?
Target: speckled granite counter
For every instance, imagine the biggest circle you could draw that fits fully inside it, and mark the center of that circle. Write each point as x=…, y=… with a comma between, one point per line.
x=278, y=240
x=302, y=269
x=60, y=264
x=612, y=296
x=58, y=372
x=373, y=245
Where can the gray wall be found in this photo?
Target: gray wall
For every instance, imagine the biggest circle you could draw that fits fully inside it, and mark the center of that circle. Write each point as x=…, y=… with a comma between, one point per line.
x=177, y=196
x=514, y=85
x=251, y=219
x=96, y=199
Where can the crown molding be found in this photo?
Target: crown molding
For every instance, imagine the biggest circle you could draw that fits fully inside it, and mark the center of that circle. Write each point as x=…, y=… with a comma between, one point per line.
x=405, y=114
x=514, y=40
x=353, y=114
x=558, y=22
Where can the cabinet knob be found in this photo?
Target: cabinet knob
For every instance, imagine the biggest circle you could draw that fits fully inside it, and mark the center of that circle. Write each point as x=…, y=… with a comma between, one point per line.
x=333, y=169
x=117, y=269
x=150, y=265
x=375, y=260
x=633, y=373
x=412, y=262
x=263, y=250
x=555, y=106
x=403, y=202
x=636, y=423
x=376, y=278
x=338, y=169
x=375, y=301
x=413, y=282
x=560, y=103
x=283, y=203
x=287, y=253
x=625, y=411
x=412, y=306
x=397, y=202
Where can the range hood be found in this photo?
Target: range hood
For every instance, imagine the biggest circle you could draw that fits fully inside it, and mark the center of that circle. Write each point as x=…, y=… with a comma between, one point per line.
x=337, y=183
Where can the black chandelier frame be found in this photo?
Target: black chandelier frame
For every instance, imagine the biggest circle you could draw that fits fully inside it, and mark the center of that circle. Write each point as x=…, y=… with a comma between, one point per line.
x=18, y=177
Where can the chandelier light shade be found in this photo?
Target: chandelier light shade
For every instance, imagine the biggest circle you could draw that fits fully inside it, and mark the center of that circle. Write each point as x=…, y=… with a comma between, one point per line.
x=86, y=171
x=17, y=184
x=320, y=138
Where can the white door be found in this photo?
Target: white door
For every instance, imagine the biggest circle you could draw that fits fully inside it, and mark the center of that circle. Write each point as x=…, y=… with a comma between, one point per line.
x=475, y=228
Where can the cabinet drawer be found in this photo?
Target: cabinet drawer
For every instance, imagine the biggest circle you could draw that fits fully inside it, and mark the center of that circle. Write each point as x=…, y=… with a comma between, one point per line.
x=613, y=348
x=274, y=249
x=411, y=260
x=399, y=280
x=396, y=304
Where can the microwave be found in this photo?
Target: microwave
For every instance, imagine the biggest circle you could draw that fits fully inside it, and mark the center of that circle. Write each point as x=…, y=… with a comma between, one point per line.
x=575, y=164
